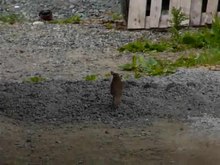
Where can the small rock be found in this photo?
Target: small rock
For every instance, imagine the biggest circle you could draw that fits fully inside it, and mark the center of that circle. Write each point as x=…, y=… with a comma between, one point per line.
x=38, y=23
x=16, y=7
x=57, y=141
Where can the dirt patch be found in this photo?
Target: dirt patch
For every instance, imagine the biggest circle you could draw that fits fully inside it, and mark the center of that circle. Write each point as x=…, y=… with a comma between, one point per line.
x=164, y=142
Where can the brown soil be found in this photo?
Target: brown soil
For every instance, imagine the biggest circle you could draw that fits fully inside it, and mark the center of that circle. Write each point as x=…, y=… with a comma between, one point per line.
x=165, y=142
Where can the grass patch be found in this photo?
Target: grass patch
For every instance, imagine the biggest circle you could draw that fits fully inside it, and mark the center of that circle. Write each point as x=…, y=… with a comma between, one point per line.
x=11, y=18
x=91, y=77
x=116, y=16
x=108, y=25
x=35, y=79
x=71, y=20
x=144, y=46
x=153, y=67
x=150, y=66
x=203, y=38
x=194, y=40
x=107, y=75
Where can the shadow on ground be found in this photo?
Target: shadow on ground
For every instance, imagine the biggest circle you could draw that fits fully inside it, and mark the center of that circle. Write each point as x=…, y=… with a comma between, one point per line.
x=176, y=96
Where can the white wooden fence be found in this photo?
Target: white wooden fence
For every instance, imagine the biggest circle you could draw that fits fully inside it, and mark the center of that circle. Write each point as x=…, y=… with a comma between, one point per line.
x=158, y=18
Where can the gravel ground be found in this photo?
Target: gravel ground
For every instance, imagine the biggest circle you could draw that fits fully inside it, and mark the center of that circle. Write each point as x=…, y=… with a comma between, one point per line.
x=187, y=93
x=161, y=120
x=61, y=8
x=65, y=54
x=62, y=51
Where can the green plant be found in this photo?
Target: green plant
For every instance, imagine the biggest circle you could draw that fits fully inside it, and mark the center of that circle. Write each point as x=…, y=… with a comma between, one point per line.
x=177, y=18
x=144, y=46
x=150, y=66
x=116, y=16
x=205, y=38
x=91, y=77
x=107, y=76
x=35, y=79
x=209, y=57
x=71, y=20
x=194, y=40
x=213, y=35
x=11, y=18
x=108, y=25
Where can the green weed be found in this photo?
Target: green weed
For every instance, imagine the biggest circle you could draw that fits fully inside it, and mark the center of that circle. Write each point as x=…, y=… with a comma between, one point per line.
x=116, y=16
x=35, y=79
x=144, y=46
x=149, y=66
x=108, y=25
x=205, y=38
x=177, y=18
x=107, y=75
x=11, y=18
x=71, y=20
x=153, y=67
x=91, y=77
x=213, y=35
x=194, y=40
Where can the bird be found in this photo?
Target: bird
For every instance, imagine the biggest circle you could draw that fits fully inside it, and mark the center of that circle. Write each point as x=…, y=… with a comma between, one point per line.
x=46, y=15
x=116, y=89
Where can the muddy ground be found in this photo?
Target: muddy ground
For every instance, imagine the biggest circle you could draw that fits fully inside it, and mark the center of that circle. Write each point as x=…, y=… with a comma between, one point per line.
x=164, y=142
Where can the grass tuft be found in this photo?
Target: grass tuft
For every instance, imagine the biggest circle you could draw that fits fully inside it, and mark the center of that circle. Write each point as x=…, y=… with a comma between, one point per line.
x=143, y=46
x=91, y=77
x=11, y=18
x=35, y=79
x=116, y=16
x=71, y=20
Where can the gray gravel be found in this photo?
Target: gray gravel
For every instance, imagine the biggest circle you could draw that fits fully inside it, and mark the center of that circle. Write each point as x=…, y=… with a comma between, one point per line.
x=64, y=54
x=187, y=93
x=60, y=51
x=61, y=8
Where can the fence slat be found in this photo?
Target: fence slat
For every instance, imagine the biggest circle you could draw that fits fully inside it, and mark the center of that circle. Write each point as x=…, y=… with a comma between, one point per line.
x=156, y=6
x=164, y=21
x=196, y=12
x=174, y=3
x=147, y=25
x=211, y=10
x=137, y=14
x=159, y=19
x=186, y=5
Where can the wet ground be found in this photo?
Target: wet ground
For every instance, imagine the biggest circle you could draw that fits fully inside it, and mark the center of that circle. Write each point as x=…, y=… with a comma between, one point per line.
x=164, y=142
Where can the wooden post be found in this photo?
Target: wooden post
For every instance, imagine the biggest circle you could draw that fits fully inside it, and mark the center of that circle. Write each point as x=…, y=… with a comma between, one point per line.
x=124, y=9
x=196, y=12
x=137, y=14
